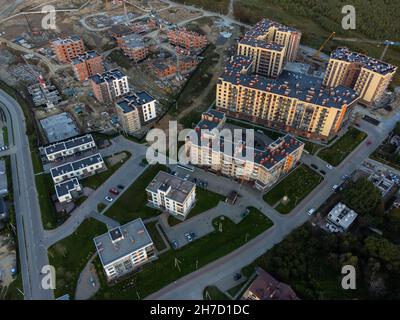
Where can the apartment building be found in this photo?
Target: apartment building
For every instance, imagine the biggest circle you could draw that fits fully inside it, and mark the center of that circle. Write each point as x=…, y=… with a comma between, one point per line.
x=172, y=194
x=369, y=77
x=78, y=169
x=187, y=39
x=133, y=47
x=87, y=64
x=293, y=102
x=261, y=165
x=123, y=249
x=136, y=110
x=165, y=69
x=65, y=190
x=69, y=147
x=109, y=86
x=270, y=45
x=68, y=48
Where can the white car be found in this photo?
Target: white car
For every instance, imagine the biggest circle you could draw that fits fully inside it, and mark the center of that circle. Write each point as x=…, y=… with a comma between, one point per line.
x=311, y=211
x=335, y=187
x=329, y=166
x=108, y=198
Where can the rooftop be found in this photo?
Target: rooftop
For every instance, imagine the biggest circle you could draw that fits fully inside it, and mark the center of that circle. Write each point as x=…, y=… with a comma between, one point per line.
x=66, y=187
x=122, y=241
x=59, y=127
x=133, y=41
x=342, y=216
x=108, y=76
x=85, y=56
x=262, y=27
x=66, y=40
x=176, y=188
x=254, y=42
x=68, y=144
x=291, y=84
x=130, y=102
x=372, y=64
x=76, y=165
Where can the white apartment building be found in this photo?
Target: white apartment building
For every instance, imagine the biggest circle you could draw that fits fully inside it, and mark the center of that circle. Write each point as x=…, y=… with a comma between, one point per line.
x=69, y=147
x=65, y=190
x=172, y=194
x=123, y=249
x=78, y=169
x=109, y=85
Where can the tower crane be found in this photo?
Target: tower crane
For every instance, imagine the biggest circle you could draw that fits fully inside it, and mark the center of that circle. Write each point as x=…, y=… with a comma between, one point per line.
x=317, y=54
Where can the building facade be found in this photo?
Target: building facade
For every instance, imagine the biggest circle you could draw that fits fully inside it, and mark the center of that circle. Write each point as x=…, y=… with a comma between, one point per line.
x=294, y=102
x=263, y=166
x=133, y=47
x=369, y=77
x=78, y=169
x=68, y=48
x=135, y=110
x=107, y=87
x=172, y=194
x=87, y=64
x=69, y=147
x=123, y=249
x=187, y=39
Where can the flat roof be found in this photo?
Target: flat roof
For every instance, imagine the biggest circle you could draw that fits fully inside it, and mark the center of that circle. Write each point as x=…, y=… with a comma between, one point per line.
x=59, y=127
x=68, y=144
x=108, y=76
x=66, y=40
x=76, y=165
x=85, y=56
x=291, y=84
x=342, y=216
x=66, y=187
x=130, y=102
x=179, y=188
x=121, y=241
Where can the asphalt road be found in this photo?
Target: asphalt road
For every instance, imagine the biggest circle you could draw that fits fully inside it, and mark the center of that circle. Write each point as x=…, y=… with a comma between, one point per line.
x=28, y=219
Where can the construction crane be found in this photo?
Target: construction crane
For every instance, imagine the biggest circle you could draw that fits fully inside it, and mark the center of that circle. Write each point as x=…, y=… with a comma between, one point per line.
x=317, y=54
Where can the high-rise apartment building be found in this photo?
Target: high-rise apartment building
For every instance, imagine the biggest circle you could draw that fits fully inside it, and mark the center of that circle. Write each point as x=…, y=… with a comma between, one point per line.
x=135, y=110
x=87, y=64
x=293, y=102
x=109, y=85
x=68, y=48
x=369, y=77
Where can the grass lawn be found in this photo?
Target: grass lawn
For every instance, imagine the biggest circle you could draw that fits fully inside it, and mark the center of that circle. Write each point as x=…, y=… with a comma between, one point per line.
x=297, y=185
x=235, y=290
x=97, y=180
x=5, y=136
x=205, y=200
x=132, y=203
x=155, y=235
x=70, y=255
x=343, y=146
x=45, y=188
x=214, y=294
x=312, y=148
x=161, y=272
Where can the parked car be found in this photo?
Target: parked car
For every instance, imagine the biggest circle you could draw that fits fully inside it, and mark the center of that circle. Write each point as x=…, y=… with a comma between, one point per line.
x=174, y=244
x=311, y=211
x=335, y=187
x=323, y=172
x=188, y=237
x=314, y=166
x=345, y=177
x=237, y=276
x=121, y=187
x=108, y=199
x=114, y=191
x=329, y=166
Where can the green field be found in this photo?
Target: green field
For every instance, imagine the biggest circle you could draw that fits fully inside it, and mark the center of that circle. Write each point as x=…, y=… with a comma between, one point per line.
x=132, y=203
x=155, y=235
x=297, y=185
x=45, y=188
x=340, y=149
x=97, y=180
x=153, y=277
x=214, y=294
x=70, y=255
x=205, y=200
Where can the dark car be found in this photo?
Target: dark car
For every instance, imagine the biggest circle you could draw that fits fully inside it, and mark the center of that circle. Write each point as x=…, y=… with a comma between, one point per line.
x=314, y=166
x=323, y=172
x=121, y=187
x=175, y=244
x=237, y=276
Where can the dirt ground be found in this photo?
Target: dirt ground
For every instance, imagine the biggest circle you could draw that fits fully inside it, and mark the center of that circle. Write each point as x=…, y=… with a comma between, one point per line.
x=7, y=260
x=176, y=15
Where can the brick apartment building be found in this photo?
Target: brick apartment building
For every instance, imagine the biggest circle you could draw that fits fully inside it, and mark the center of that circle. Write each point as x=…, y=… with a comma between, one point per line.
x=165, y=69
x=109, y=86
x=369, y=77
x=133, y=47
x=187, y=39
x=87, y=65
x=68, y=48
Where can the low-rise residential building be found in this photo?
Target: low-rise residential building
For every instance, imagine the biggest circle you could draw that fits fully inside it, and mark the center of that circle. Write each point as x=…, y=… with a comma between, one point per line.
x=109, y=85
x=87, y=65
x=172, y=194
x=262, y=165
x=294, y=102
x=369, y=77
x=78, y=169
x=133, y=47
x=69, y=147
x=187, y=39
x=136, y=110
x=266, y=287
x=68, y=48
x=66, y=189
x=341, y=217
x=124, y=249
x=3, y=178
x=165, y=69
